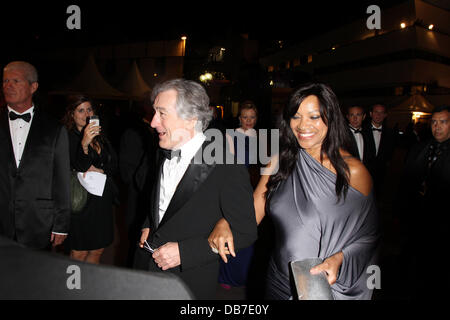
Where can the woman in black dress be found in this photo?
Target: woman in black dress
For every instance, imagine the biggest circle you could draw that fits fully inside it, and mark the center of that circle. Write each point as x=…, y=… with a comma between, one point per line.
x=91, y=229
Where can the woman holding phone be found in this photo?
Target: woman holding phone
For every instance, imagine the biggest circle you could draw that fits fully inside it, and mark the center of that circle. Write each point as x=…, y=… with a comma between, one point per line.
x=91, y=229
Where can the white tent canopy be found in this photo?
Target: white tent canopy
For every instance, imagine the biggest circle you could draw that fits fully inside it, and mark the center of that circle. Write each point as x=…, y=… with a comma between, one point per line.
x=133, y=84
x=90, y=82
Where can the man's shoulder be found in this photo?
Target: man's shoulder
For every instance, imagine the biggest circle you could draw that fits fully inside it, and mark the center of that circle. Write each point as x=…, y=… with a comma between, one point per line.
x=47, y=119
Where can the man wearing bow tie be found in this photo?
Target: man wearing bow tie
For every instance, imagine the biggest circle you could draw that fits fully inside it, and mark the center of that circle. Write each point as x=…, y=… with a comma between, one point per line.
x=34, y=165
x=381, y=143
x=355, y=117
x=188, y=197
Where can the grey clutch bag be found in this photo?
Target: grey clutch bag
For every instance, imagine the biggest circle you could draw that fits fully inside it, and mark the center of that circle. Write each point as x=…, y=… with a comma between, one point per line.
x=310, y=287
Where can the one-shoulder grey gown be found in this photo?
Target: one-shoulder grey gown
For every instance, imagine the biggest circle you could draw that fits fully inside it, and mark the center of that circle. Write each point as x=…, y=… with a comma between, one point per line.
x=309, y=223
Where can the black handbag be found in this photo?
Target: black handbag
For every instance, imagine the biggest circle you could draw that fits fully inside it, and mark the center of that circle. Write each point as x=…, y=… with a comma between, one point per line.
x=79, y=194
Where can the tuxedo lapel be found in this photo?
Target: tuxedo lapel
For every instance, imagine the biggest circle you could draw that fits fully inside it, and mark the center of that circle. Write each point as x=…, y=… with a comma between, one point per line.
x=193, y=178
x=35, y=132
x=6, y=141
x=155, y=192
x=383, y=140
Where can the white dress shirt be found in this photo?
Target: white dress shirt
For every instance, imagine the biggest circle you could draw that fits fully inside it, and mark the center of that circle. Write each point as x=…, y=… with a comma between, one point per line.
x=359, y=142
x=19, y=129
x=377, y=137
x=174, y=169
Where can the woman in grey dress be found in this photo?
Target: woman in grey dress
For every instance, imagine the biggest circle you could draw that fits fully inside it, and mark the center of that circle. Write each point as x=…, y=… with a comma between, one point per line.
x=319, y=197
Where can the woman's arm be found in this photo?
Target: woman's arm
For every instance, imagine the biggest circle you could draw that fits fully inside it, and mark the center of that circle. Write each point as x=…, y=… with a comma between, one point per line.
x=222, y=234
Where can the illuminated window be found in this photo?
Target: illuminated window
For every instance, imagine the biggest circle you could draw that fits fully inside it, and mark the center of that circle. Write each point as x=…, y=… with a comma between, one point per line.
x=310, y=58
x=270, y=69
x=296, y=62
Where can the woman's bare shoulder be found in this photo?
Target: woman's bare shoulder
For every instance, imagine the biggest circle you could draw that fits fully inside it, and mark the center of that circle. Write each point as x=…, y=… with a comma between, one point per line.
x=360, y=178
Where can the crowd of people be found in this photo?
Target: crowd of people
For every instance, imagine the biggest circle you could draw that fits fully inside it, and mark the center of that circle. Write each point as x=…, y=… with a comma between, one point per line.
x=202, y=221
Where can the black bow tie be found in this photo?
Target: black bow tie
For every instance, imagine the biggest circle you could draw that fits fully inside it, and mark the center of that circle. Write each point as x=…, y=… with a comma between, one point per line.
x=376, y=129
x=356, y=130
x=169, y=154
x=26, y=116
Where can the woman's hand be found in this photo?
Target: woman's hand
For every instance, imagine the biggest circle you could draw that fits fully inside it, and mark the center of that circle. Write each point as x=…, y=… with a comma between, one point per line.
x=90, y=132
x=92, y=168
x=220, y=236
x=330, y=266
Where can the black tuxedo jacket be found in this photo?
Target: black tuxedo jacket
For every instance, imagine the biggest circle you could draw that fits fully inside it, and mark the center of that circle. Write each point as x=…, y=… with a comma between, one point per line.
x=138, y=146
x=206, y=193
x=35, y=197
x=353, y=147
x=377, y=162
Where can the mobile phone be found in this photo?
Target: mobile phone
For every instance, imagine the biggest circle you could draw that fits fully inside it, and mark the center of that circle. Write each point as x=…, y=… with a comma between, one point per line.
x=94, y=119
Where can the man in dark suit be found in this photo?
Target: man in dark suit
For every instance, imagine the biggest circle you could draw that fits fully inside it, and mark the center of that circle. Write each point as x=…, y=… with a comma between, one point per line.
x=381, y=143
x=422, y=204
x=34, y=165
x=190, y=196
x=359, y=146
x=138, y=145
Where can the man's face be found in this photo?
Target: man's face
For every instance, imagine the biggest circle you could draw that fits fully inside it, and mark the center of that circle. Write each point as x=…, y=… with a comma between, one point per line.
x=173, y=131
x=17, y=90
x=355, y=117
x=378, y=114
x=440, y=126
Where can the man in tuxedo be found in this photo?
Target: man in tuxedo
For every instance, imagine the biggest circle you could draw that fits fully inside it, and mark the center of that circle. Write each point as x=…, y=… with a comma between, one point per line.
x=34, y=165
x=381, y=143
x=355, y=117
x=189, y=197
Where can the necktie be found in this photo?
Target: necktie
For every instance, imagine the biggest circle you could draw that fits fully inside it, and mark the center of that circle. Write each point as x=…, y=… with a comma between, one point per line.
x=26, y=116
x=357, y=130
x=376, y=129
x=169, y=154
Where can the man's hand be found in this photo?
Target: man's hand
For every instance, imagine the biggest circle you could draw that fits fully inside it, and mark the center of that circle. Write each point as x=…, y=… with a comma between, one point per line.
x=57, y=239
x=167, y=256
x=144, y=236
x=220, y=236
x=330, y=266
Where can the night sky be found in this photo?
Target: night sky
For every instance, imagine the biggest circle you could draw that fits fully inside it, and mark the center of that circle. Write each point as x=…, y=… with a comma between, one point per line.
x=42, y=24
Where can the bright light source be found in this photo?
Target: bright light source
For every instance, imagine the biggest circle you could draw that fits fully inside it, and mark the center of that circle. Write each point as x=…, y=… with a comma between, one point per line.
x=403, y=25
x=183, y=38
x=271, y=82
x=202, y=78
x=431, y=26
x=208, y=76
x=416, y=115
x=222, y=49
x=333, y=48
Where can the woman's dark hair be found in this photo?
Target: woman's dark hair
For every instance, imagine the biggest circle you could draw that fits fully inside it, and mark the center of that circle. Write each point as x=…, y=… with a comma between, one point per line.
x=73, y=101
x=337, y=136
